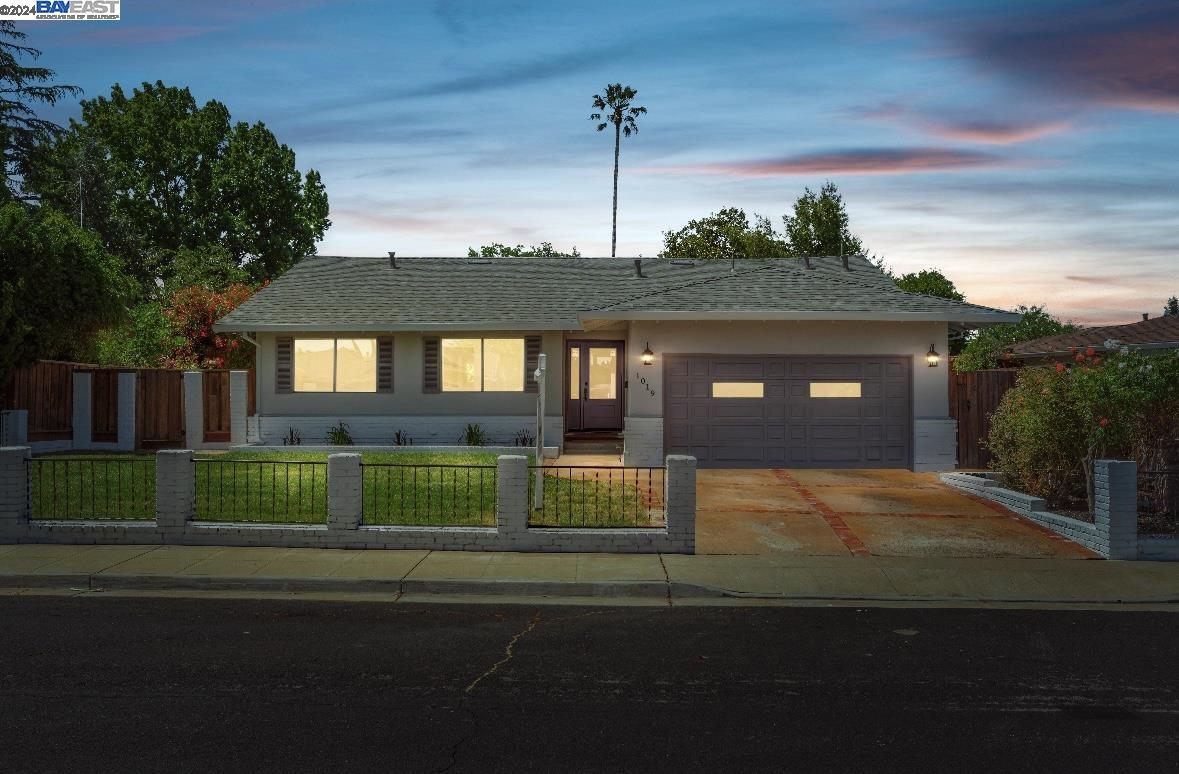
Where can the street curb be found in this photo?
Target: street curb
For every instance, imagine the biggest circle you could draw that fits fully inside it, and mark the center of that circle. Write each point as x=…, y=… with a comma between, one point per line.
x=493, y=587
x=502, y=588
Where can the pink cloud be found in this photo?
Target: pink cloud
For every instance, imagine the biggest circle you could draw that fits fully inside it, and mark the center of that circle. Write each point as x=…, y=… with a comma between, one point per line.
x=994, y=132
x=140, y=35
x=871, y=161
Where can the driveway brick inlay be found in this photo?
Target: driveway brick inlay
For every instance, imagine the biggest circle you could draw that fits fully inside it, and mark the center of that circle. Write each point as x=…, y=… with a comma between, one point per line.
x=833, y=519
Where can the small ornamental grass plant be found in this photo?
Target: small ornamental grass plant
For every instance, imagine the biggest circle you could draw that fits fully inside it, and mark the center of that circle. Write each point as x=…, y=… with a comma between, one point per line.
x=1056, y=421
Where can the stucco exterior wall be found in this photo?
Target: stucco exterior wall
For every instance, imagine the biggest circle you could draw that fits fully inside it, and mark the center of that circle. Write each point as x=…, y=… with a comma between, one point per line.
x=785, y=337
x=407, y=398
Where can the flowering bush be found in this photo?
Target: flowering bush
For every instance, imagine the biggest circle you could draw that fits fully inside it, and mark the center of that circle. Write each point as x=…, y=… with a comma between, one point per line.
x=1052, y=425
x=192, y=311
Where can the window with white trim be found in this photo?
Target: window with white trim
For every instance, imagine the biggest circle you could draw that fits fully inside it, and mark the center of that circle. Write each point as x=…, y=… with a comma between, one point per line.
x=482, y=365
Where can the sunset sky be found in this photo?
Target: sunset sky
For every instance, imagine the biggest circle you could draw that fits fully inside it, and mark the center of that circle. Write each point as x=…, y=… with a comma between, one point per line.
x=1030, y=150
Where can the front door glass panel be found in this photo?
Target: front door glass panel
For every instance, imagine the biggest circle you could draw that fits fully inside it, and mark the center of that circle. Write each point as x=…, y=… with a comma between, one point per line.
x=603, y=373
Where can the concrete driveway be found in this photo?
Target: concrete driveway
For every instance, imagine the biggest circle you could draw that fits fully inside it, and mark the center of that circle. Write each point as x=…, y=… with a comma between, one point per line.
x=860, y=512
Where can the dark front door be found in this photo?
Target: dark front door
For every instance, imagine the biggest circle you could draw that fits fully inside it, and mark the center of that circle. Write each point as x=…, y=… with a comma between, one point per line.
x=593, y=385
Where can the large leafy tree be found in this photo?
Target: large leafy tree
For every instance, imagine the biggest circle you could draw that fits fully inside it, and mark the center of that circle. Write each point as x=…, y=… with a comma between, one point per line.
x=615, y=109
x=929, y=282
x=543, y=250
x=987, y=347
x=1171, y=308
x=725, y=234
x=155, y=173
x=21, y=88
x=57, y=286
x=819, y=225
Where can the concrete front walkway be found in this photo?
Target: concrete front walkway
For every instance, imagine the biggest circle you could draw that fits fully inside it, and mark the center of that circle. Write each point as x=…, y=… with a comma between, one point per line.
x=860, y=513
x=659, y=579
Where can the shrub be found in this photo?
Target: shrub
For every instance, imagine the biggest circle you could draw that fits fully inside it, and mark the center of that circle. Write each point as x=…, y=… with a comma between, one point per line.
x=524, y=438
x=338, y=435
x=292, y=438
x=402, y=438
x=1052, y=425
x=474, y=435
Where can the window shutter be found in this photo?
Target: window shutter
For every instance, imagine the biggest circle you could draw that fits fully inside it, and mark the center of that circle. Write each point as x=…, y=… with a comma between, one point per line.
x=430, y=364
x=384, y=364
x=284, y=347
x=531, y=361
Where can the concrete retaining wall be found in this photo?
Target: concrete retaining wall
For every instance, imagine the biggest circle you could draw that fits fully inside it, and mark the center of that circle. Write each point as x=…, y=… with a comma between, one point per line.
x=344, y=525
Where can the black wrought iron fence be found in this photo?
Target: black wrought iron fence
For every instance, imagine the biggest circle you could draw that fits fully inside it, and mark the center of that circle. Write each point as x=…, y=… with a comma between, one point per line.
x=429, y=495
x=1158, y=502
x=589, y=496
x=266, y=491
x=92, y=488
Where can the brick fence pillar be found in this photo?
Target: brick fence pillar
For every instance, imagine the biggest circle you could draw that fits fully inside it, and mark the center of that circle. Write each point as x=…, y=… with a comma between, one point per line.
x=126, y=422
x=679, y=498
x=14, y=427
x=82, y=423
x=175, y=488
x=511, y=494
x=14, y=487
x=344, y=499
x=1115, y=506
x=194, y=409
x=239, y=388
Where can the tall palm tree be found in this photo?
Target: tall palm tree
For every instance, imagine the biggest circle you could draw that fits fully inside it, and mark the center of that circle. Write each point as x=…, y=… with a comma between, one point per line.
x=615, y=108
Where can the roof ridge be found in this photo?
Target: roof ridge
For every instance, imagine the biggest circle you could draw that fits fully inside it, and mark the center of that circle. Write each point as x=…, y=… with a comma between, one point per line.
x=890, y=288
x=681, y=286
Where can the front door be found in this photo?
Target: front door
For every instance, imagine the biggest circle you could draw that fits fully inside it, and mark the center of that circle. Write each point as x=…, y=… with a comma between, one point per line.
x=593, y=385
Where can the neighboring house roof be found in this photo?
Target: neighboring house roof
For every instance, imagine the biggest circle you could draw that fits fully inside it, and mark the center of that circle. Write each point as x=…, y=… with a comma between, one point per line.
x=367, y=294
x=1159, y=333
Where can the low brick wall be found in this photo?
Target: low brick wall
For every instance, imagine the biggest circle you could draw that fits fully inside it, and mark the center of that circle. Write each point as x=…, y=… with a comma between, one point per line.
x=1114, y=531
x=344, y=527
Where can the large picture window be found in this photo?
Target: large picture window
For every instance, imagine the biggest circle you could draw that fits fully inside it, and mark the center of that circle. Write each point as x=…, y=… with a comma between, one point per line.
x=335, y=365
x=482, y=365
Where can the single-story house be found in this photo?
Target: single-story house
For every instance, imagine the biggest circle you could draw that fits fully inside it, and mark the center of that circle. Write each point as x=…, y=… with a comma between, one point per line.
x=1148, y=334
x=753, y=363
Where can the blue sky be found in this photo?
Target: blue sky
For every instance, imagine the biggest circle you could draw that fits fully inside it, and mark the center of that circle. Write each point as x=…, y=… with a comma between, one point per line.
x=1027, y=149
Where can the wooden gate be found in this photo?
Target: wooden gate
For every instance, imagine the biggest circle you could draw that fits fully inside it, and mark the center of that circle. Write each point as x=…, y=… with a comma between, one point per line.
x=45, y=390
x=159, y=409
x=974, y=396
x=104, y=406
x=215, y=398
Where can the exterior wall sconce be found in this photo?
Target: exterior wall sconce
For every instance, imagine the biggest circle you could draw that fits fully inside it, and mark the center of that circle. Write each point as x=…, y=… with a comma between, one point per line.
x=932, y=358
x=648, y=357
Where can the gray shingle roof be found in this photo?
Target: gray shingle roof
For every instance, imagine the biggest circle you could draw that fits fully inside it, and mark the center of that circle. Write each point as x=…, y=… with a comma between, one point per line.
x=336, y=293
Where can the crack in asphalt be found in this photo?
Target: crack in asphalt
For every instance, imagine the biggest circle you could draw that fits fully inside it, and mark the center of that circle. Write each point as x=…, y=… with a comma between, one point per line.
x=508, y=653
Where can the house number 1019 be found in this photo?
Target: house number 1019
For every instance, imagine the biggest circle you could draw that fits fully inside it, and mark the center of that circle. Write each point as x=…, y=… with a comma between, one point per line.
x=647, y=387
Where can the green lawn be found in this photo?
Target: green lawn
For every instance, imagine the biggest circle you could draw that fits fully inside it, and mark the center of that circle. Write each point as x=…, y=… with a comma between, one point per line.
x=400, y=488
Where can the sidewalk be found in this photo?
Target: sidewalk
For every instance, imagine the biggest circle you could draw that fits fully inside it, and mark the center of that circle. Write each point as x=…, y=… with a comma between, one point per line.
x=667, y=577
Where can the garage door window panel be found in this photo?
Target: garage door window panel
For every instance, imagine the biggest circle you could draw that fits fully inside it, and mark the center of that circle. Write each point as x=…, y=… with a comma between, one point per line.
x=738, y=390
x=836, y=390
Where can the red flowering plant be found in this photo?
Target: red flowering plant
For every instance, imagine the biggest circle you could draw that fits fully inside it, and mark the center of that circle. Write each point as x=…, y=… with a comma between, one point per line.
x=192, y=312
x=1055, y=422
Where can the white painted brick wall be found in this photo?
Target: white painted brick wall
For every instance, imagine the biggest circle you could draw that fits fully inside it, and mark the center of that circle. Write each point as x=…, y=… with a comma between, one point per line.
x=14, y=427
x=935, y=445
x=175, y=488
x=1114, y=531
x=82, y=423
x=14, y=487
x=126, y=421
x=511, y=494
x=239, y=387
x=194, y=410
x=432, y=430
x=345, y=493
x=642, y=441
x=175, y=503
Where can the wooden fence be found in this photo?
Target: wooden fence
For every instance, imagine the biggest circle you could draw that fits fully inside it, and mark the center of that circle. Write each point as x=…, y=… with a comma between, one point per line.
x=45, y=390
x=974, y=396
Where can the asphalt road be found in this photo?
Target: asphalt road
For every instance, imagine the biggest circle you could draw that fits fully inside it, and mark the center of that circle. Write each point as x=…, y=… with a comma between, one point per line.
x=117, y=684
